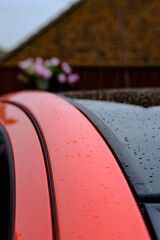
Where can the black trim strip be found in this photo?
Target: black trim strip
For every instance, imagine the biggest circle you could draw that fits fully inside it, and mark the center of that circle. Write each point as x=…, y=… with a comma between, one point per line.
x=111, y=140
x=119, y=152
x=147, y=219
x=11, y=183
x=50, y=185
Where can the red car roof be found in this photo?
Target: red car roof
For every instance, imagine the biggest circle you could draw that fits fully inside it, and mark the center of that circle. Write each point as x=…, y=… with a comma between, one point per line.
x=92, y=197
x=32, y=213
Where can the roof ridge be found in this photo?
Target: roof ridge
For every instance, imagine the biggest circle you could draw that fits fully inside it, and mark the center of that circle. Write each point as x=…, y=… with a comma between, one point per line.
x=41, y=30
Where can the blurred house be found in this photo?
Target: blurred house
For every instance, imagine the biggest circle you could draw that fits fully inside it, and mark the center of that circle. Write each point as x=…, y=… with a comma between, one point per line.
x=1, y=53
x=109, y=43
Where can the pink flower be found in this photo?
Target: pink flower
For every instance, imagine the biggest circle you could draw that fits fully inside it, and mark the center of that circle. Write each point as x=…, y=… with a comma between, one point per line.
x=26, y=64
x=72, y=78
x=47, y=74
x=66, y=68
x=55, y=61
x=61, y=78
x=39, y=61
x=41, y=71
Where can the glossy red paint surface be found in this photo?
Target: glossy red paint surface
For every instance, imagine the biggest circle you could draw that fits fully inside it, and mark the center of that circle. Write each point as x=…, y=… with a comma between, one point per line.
x=32, y=203
x=93, y=200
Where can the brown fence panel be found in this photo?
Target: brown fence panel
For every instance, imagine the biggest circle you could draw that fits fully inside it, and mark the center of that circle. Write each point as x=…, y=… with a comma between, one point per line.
x=114, y=77
x=90, y=78
x=8, y=80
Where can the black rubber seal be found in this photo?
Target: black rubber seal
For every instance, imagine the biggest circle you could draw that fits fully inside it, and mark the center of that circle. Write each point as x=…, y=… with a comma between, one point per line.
x=11, y=183
x=49, y=178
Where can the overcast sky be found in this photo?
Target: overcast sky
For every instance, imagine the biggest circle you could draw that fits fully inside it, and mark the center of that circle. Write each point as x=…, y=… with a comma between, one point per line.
x=21, y=18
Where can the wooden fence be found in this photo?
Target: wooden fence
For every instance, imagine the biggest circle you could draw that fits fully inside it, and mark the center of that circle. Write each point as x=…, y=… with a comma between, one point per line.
x=90, y=78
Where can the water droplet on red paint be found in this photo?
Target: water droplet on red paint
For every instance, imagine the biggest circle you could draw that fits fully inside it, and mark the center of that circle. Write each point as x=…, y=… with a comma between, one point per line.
x=80, y=237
